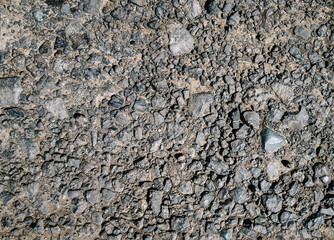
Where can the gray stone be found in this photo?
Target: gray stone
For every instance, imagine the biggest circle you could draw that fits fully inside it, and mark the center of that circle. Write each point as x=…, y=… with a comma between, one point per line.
x=226, y=234
x=116, y=102
x=287, y=217
x=73, y=27
x=276, y=115
x=273, y=203
x=180, y=40
x=322, y=31
x=313, y=57
x=73, y=162
x=92, y=6
x=141, y=105
x=302, y=32
x=118, y=13
x=186, y=188
x=57, y=108
x=156, y=201
x=6, y=197
x=242, y=174
x=296, y=54
x=211, y=7
x=15, y=113
x=296, y=121
x=92, y=196
x=252, y=119
x=217, y=165
x=327, y=211
x=207, y=199
x=314, y=221
x=46, y=84
x=19, y=61
x=284, y=92
x=239, y=195
x=193, y=8
x=199, y=103
x=140, y=3
x=32, y=189
x=321, y=173
x=179, y=224
x=29, y=147
x=10, y=90
x=234, y=19
x=108, y=194
x=271, y=141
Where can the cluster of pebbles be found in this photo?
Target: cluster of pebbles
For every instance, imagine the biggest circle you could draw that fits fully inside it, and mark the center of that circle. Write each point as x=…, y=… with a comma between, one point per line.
x=182, y=119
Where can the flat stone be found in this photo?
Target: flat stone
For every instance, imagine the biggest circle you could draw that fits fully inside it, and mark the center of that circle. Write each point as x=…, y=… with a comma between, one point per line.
x=57, y=108
x=239, y=195
x=199, y=103
x=32, y=189
x=29, y=147
x=218, y=166
x=92, y=6
x=273, y=203
x=179, y=224
x=141, y=105
x=193, y=8
x=302, y=32
x=284, y=92
x=274, y=169
x=297, y=121
x=15, y=113
x=10, y=90
x=180, y=40
x=271, y=141
x=252, y=119
x=207, y=199
x=46, y=84
x=156, y=201
x=140, y=3
x=92, y=196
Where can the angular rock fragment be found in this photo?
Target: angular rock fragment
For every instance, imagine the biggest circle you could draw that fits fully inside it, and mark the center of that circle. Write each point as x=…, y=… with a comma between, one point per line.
x=297, y=121
x=92, y=6
x=141, y=105
x=57, y=108
x=252, y=119
x=284, y=92
x=116, y=102
x=302, y=32
x=10, y=90
x=207, y=199
x=239, y=195
x=193, y=8
x=179, y=224
x=29, y=147
x=199, y=103
x=156, y=201
x=271, y=141
x=180, y=40
x=140, y=3
x=211, y=7
x=15, y=113
x=273, y=203
x=218, y=166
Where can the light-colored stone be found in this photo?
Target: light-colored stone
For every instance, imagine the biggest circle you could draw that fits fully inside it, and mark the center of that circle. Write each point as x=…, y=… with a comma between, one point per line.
x=180, y=40
x=10, y=90
x=57, y=108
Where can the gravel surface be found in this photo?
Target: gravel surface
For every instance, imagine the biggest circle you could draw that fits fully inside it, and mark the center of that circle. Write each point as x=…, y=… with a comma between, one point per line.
x=182, y=119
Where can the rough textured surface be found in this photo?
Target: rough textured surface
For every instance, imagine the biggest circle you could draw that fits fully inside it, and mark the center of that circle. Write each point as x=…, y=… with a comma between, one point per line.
x=182, y=119
x=180, y=40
